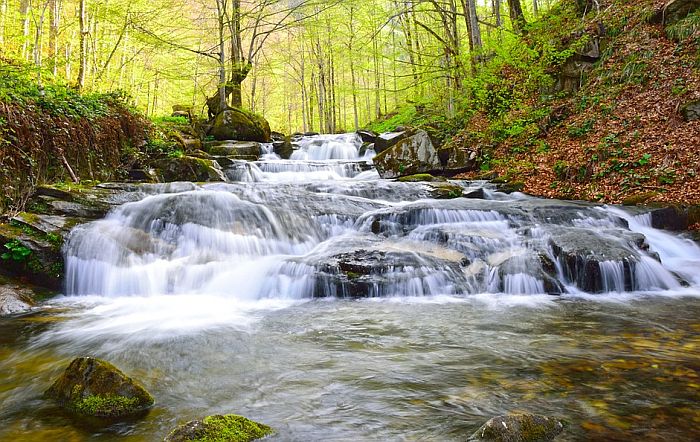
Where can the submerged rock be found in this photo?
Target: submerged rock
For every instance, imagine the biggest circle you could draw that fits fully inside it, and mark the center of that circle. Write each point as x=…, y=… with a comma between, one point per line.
x=518, y=428
x=237, y=124
x=93, y=387
x=221, y=428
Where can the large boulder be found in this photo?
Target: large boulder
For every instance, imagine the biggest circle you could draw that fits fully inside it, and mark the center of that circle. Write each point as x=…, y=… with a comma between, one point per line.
x=226, y=428
x=237, y=124
x=518, y=428
x=416, y=154
x=95, y=388
x=188, y=169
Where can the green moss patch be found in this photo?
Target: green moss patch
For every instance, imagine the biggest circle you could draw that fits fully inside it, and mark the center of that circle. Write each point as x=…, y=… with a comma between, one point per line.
x=106, y=406
x=220, y=428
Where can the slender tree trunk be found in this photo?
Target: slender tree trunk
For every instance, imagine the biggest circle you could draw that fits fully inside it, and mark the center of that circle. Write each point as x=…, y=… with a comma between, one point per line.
x=3, y=21
x=24, y=8
x=83, y=44
x=55, y=19
x=535, y=8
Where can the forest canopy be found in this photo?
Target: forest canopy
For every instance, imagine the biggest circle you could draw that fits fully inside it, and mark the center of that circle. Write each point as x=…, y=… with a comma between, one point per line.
x=307, y=65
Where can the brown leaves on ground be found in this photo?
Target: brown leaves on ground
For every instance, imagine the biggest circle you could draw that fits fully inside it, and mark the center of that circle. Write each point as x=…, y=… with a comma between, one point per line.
x=624, y=135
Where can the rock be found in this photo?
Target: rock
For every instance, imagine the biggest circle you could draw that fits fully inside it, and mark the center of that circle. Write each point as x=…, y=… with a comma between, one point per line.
x=283, y=148
x=581, y=253
x=421, y=177
x=367, y=136
x=476, y=194
x=224, y=428
x=691, y=111
x=235, y=150
x=676, y=10
x=386, y=140
x=236, y=124
x=277, y=136
x=416, y=154
x=33, y=253
x=143, y=176
x=188, y=169
x=14, y=300
x=518, y=428
x=670, y=218
x=180, y=114
x=364, y=148
x=93, y=387
x=446, y=190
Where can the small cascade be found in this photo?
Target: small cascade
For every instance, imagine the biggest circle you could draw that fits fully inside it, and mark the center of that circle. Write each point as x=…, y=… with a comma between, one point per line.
x=328, y=147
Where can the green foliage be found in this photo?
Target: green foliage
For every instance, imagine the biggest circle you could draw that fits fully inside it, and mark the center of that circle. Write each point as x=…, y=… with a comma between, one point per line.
x=177, y=153
x=177, y=120
x=583, y=129
x=405, y=116
x=16, y=251
x=686, y=28
x=561, y=169
x=19, y=85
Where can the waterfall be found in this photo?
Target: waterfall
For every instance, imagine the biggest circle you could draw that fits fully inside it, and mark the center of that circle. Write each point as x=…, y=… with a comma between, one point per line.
x=323, y=225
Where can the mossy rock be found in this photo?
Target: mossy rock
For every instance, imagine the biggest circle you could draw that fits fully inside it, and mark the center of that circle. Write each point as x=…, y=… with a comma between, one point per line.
x=220, y=428
x=518, y=428
x=421, y=177
x=189, y=169
x=95, y=388
x=237, y=124
x=445, y=191
x=640, y=198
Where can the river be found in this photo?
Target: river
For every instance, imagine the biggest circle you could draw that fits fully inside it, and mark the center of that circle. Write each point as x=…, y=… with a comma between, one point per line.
x=311, y=296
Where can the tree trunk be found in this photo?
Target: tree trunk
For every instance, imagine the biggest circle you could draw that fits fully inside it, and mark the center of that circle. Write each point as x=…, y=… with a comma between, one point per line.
x=517, y=18
x=83, y=45
x=24, y=8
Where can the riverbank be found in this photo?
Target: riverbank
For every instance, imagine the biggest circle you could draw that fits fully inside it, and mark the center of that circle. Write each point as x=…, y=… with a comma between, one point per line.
x=599, y=109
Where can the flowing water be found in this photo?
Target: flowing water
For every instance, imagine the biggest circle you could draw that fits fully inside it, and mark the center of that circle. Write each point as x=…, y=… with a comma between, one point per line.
x=310, y=295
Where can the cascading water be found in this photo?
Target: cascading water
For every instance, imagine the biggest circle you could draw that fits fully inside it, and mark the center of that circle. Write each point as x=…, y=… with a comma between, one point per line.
x=205, y=289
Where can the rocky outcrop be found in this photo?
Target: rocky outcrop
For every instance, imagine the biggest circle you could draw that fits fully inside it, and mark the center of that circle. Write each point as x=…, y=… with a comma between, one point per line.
x=416, y=154
x=691, y=110
x=188, y=169
x=518, y=428
x=95, y=388
x=234, y=150
x=229, y=428
x=237, y=124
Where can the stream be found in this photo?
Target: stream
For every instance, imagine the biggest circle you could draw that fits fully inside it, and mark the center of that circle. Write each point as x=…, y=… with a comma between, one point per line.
x=310, y=295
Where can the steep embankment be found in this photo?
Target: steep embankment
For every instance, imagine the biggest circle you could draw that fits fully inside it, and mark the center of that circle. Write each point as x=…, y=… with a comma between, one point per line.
x=626, y=130
x=52, y=133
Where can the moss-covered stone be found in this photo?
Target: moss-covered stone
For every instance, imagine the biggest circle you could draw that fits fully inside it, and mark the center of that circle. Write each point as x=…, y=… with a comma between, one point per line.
x=518, y=428
x=420, y=177
x=237, y=124
x=188, y=169
x=93, y=387
x=220, y=428
x=445, y=191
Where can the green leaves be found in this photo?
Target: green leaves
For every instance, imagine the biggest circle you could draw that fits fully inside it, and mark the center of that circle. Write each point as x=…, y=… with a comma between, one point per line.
x=16, y=251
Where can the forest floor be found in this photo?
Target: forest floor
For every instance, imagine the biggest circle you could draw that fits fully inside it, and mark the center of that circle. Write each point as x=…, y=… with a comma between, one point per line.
x=621, y=138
